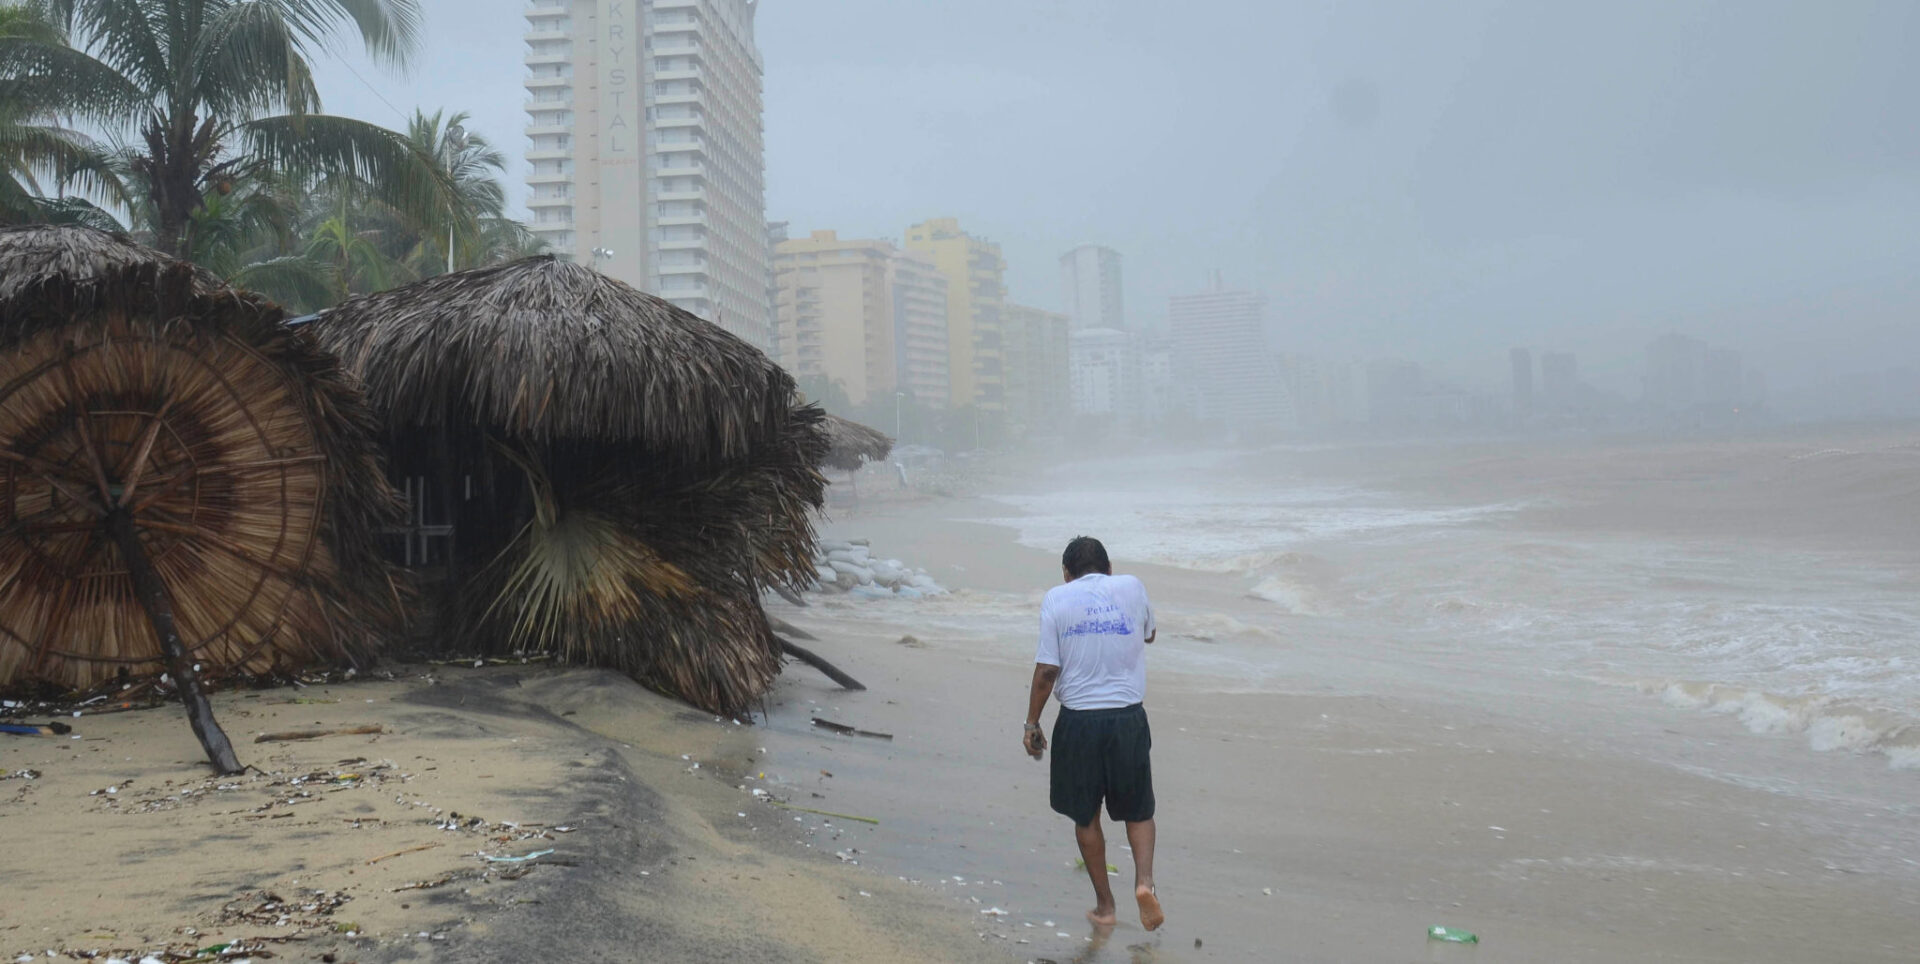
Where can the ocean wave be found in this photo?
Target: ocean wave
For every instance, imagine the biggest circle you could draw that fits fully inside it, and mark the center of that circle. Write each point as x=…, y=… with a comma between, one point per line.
x=1827, y=722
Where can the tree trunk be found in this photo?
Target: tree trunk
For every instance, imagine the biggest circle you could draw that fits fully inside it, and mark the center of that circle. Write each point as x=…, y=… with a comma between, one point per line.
x=153, y=598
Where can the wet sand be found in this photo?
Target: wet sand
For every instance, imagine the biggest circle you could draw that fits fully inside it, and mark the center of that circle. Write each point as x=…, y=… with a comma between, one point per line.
x=1336, y=812
x=366, y=846
x=1328, y=811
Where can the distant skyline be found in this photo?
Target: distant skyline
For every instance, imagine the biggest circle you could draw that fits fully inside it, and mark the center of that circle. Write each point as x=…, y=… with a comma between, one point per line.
x=1438, y=182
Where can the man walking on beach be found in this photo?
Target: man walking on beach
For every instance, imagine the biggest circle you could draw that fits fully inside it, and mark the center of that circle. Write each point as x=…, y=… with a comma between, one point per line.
x=1094, y=631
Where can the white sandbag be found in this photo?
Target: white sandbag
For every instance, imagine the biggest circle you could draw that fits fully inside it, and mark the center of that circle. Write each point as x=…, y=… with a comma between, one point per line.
x=859, y=573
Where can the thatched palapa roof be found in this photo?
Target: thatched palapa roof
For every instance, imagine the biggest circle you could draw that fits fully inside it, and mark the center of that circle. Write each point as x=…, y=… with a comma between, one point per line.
x=245, y=459
x=638, y=474
x=851, y=444
x=544, y=350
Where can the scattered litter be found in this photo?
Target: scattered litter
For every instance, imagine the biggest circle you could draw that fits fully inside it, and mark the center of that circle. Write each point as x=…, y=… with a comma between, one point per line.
x=397, y=853
x=514, y=860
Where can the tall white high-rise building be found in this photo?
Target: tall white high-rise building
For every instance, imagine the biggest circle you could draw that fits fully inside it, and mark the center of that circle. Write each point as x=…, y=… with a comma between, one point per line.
x=1090, y=279
x=646, y=157
x=1220, y=350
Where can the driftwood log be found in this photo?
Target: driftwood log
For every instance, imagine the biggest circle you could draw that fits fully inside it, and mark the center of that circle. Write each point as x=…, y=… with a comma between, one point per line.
x=782, y=626
x=813, y=659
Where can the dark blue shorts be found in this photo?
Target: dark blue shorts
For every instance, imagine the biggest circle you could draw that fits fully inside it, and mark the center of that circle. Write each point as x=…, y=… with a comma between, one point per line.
x=1102, y=755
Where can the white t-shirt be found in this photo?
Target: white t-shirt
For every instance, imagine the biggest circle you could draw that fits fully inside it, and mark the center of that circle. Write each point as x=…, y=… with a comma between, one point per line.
x=1095, y=629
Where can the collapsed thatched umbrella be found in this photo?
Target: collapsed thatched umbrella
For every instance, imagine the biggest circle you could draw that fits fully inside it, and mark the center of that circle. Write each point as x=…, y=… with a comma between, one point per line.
x=185, y=483
x=622, y=477
x=851, y=444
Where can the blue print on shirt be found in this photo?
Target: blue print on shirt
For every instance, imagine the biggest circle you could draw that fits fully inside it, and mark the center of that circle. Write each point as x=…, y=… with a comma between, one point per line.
x=1105, y=620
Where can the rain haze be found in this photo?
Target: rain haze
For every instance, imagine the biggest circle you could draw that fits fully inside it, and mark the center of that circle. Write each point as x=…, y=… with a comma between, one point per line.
x=1436, y=182
x=1497, y=427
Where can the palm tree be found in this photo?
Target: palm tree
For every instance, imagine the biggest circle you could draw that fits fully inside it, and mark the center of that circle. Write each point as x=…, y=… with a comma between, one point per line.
x=218, y=91
x=35, y=146
x=472, y=164
x=354, y=258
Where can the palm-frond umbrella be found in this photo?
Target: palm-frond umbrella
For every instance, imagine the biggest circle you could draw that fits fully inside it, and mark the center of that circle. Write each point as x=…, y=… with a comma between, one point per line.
x=621, y=476
x=185, y=483
x=851, y=444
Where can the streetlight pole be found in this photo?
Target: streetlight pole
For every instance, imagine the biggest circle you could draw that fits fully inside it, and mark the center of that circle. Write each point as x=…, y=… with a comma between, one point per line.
x=897, y=396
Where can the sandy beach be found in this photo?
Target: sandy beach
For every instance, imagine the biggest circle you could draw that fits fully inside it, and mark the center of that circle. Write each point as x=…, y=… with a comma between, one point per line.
x=1328, y=790
x=418, y=843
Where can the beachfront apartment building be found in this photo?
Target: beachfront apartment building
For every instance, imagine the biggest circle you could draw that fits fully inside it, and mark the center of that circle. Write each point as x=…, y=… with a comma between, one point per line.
x=646, y=159
x=1035, y=345
x=1090, y=280
x=976, y=298
x=919, y=328
x=862, y=314
x=1103, y=372
x=1220, y=347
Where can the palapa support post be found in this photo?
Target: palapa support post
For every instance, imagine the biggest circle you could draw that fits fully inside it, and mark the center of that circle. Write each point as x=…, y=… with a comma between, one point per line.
x=152, y=594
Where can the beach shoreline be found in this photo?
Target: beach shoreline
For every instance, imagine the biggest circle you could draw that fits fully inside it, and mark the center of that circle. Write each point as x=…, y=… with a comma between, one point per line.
x=1349, y=795
x=1329, y=802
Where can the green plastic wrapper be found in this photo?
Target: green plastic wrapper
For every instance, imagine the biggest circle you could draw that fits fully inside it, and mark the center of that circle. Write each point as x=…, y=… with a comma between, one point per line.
x=1452, y=935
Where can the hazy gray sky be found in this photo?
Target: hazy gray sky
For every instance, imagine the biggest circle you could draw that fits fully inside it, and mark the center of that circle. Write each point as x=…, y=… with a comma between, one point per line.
x=1437, y=181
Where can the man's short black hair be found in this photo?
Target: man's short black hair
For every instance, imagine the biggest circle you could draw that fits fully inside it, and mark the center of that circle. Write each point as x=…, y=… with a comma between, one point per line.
x=1085, y=554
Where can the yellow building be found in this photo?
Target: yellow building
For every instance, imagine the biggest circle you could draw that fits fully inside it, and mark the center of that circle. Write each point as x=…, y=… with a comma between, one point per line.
x=920, y=328
x=976, y=297
x=864, y=314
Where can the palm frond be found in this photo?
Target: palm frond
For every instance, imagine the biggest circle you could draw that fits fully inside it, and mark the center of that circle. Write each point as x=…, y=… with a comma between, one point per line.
x=248, y=61
x=266, y=489
x=314, y=144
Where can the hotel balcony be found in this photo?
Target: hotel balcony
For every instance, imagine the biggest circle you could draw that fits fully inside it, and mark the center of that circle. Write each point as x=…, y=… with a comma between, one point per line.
x=536, y=129
x=683, y=97
x=541, y=11
x=535, y=105
x=565, y=201
x=536, y=58
x=550, y=154
x=550, y=177
x=544, y=81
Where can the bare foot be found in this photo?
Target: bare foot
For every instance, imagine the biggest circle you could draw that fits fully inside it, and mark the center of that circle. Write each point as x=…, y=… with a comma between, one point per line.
x=1103, y=916
x=1151, y=916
